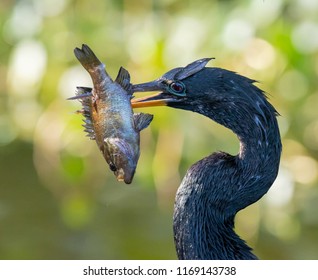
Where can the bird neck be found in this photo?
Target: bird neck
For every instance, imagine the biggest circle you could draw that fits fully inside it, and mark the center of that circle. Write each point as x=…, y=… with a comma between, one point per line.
x=257, y=162
x=202, y=228
x=259, y=157
x=259, y=142
x=218, y=186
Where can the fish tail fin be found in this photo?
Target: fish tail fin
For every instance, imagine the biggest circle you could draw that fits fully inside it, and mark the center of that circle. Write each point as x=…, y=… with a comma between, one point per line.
x=87, y=57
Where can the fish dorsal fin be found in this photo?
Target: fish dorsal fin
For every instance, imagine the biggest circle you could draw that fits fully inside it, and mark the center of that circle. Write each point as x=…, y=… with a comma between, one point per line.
x=83, y=90
x=89, y=129
x=123, y=79
x=142, y=120
x=84, y=95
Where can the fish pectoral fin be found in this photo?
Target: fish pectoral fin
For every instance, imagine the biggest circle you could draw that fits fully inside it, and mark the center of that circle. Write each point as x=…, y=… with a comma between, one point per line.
x=142, y=120
x=123, y=79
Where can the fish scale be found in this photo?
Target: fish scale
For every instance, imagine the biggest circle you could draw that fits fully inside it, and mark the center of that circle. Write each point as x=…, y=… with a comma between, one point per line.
x=108, y=116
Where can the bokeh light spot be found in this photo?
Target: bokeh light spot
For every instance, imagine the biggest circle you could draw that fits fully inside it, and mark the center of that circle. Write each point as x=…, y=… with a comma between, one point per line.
x=49, y=8
x=72, y=78
x=305, y=37
x=282, y=190
x=237, y=33
x=293, y=85
x=27, y=66
x=187, y=34
x=23, y=23
x=304, y=169
x=259, y=54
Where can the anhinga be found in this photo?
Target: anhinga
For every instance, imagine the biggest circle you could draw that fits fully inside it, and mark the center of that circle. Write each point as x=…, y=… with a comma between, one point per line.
x=215, y=188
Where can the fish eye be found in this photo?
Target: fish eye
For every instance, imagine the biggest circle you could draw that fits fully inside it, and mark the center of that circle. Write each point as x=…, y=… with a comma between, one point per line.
x=177, y=88
x=112, y=167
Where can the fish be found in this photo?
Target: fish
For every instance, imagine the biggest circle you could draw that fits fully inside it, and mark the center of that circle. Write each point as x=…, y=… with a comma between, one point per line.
x=108, y=116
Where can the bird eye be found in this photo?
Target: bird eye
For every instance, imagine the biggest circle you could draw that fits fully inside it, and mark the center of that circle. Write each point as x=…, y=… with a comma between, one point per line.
x=112, y=167
x=177, y=88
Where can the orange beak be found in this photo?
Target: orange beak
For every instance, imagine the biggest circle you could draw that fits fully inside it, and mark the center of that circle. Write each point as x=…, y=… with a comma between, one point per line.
x=158, y=99
x=149, y=101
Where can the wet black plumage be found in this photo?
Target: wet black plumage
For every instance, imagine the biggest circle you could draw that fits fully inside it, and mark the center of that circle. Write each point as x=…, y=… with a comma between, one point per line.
x=215, y=188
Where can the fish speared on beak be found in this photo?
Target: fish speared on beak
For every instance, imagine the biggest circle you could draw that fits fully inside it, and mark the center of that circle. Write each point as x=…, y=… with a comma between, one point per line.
x=159, y=99
x=164, y=98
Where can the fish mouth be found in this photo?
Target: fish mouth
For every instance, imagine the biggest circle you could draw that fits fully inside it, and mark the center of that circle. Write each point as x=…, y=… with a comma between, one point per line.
x=124, y=176
x=121, y=154
x=158, y=99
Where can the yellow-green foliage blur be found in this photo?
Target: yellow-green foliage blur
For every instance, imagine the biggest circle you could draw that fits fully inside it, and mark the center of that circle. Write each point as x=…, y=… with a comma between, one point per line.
x=58, y=199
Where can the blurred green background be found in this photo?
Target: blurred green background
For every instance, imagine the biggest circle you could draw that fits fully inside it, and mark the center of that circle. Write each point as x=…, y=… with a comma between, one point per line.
x=58, y=199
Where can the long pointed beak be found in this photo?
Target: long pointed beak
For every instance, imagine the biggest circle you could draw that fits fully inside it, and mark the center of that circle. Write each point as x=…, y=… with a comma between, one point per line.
x=144, y=87
x=158, y=99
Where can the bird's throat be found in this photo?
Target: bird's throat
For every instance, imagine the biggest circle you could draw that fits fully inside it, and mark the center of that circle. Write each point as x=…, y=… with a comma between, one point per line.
x=201, y=232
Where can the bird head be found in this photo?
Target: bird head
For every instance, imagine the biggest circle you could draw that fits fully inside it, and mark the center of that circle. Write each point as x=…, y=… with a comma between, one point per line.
x=222, y=95
x=174, y=87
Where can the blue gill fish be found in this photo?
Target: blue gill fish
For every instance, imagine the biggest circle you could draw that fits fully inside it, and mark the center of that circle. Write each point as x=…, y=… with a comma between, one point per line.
x=109, y=118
